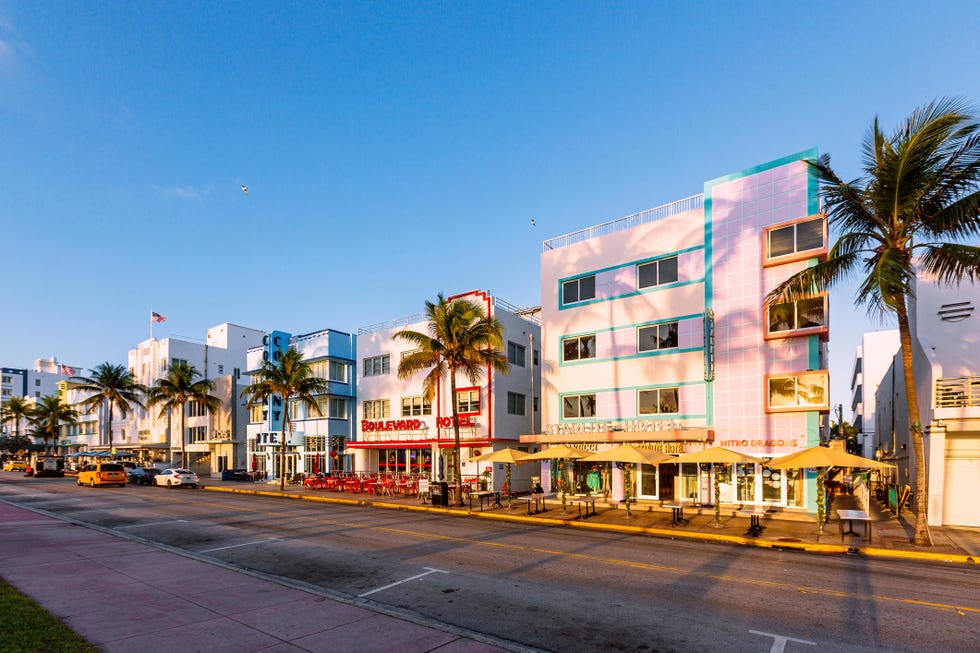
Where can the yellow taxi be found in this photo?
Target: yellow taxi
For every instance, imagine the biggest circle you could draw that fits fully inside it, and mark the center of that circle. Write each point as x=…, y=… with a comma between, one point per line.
x=15, y=466
x=102, y=474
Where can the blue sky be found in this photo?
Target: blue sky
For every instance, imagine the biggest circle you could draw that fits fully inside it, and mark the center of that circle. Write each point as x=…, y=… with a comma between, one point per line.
x=395, y=150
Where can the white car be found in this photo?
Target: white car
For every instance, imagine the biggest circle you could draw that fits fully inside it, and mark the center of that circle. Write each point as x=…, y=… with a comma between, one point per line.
x=176, y=476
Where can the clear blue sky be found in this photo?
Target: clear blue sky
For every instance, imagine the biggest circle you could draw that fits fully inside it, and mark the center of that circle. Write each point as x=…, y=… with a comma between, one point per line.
x=395, y=150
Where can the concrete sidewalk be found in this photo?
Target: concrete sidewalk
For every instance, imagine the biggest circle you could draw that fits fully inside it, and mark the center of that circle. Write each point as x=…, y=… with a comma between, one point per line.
x=125, y=596
x=890, y=536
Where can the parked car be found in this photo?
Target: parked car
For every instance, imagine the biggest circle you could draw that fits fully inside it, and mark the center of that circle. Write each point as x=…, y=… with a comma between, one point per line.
x=15, y=466
x=176, y=476
x=142, y=475
x=102, y=474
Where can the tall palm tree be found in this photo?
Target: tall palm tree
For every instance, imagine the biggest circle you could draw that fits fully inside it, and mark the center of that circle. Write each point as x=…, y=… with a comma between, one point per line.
x=460, y=338
x=112, y=386
x=173, y=391
x=290, y=378
x=15, y=410
x=911, y=210
x=48, y=415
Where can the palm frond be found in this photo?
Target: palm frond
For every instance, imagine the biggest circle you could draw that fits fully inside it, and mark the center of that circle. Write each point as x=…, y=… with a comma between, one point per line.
x=950, y=263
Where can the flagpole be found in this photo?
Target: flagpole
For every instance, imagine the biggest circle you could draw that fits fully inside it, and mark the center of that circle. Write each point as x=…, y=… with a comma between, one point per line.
x=151, y=325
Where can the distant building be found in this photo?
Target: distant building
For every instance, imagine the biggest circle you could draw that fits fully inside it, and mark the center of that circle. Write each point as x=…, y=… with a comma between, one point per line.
x=872, y=360
x=656, y=332
x=399, y=432
x=32, y=384
x=946, y=357
x=212, y=442
x=316, y=440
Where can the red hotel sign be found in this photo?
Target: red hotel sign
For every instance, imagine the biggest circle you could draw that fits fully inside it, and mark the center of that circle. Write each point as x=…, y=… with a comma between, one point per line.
x=391, y=425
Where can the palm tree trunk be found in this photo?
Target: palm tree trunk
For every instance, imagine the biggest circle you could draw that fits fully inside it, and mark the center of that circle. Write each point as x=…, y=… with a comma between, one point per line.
x=282, y=444
x=921, y=536
x=109, y=424
x=457, y=467
x=183, y=453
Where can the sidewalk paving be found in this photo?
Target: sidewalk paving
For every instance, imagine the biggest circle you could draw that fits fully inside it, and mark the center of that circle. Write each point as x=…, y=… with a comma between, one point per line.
x=890, y=535
x=124, y=596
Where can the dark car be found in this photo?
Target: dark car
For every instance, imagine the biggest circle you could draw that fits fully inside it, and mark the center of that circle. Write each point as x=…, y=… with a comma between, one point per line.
x=142, y=475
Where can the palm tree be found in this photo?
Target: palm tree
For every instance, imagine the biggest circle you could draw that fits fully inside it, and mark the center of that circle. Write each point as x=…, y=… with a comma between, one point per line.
x=918, y=199
x=15, y=410
x=112, y=386
x=291, y=379
x=48, y=415
x=173, y=391
x=461, y=337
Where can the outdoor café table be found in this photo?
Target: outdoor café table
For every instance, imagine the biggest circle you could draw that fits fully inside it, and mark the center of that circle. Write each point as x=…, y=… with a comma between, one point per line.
x=755, y=528
x=585, y=503
x=677, y=508
x=493, y=498
x=536, y=499
x=851, y=516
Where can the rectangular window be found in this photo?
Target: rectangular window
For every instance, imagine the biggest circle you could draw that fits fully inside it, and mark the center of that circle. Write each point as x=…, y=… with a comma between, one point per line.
x=338, y=372
x=237, y=373
x=515, y=403
x=296, y=411
x=221, y=369
x=174, y=361
x=415, y=406
x=37, y=383
x=377, y=365
x=658, y=402
x=376, y=409
x=658, y=336
x=196, y=409
x=795, y=241
x=576, y=406
x=196, y=434
x=256, y=414
x=578, y=290
x=798, y=315
x=797, y=392
x=516, y=354
x=338, y=408
x=468, y=401
x=536, y=357
x=578, y=348
x=657, y=273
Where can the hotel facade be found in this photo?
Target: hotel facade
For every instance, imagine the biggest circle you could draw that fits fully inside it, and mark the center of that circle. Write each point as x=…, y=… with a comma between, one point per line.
x=656, y=333
x=399, y=432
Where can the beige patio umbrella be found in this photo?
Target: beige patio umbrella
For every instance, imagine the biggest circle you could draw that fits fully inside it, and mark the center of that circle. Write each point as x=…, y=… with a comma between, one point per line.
x=822, y=458
x=721, y=456
x=509, y=456
x=630, y=454
x=561, y=452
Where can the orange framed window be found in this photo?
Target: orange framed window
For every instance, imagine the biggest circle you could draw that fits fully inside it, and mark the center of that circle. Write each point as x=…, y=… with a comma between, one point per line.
x=798, y=317
x=798, y=391
x=795, y=241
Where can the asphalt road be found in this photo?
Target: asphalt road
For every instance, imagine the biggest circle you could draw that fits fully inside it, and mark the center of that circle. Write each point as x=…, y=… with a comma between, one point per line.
x=549, y=588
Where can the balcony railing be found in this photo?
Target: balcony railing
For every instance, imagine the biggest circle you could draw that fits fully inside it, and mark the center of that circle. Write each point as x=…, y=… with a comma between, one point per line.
x=658, y=213
x=958, y=392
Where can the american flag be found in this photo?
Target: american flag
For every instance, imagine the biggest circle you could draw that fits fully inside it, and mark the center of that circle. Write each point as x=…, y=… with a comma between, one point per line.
x=67, y=371
x=156, y=317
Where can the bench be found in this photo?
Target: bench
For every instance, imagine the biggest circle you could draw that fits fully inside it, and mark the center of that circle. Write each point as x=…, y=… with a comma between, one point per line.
x=493, y=498
x=536, y=499
x=586, y=504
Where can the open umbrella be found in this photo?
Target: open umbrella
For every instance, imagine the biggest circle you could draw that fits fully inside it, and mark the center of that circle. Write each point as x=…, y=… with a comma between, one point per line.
x=509, y=456
x=630, y=454
x=561, y=452
x=822, y=458
x=720, y=456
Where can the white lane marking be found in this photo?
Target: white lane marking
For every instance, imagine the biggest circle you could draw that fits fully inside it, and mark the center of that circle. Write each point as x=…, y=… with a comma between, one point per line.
x=222, y=548
x=417, y=576
x=779, y=641
x=157, y=523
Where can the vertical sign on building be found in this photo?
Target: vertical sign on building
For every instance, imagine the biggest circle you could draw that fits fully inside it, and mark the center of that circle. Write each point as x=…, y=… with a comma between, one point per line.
x=276, y=343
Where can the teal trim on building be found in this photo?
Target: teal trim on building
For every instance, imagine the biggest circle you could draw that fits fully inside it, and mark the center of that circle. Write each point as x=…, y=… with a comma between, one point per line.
x=639, y=354
x=678, y=318
x=655, y=386
x=666, y=417
x=667, y=286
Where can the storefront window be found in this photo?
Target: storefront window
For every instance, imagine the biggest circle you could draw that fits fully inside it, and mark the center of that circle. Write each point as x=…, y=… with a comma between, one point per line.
x=772, y=485
x=648, y=481
x=795, y=487
x=746, y=482
x=726, y=493
x=689, y=480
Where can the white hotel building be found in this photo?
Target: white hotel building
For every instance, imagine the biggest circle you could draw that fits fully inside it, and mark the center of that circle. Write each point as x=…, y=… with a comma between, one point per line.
x=398, y=431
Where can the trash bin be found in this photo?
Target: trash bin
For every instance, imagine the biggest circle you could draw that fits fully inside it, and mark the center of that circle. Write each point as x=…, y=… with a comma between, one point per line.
x=228, y=475
x=440, y=494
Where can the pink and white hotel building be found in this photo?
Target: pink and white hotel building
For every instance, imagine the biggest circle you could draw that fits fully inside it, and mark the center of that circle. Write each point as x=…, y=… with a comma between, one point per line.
x=656, y=333
x=399, y=432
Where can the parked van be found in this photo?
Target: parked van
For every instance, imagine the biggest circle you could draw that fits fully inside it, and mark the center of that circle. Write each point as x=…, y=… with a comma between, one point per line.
x=102, y=474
